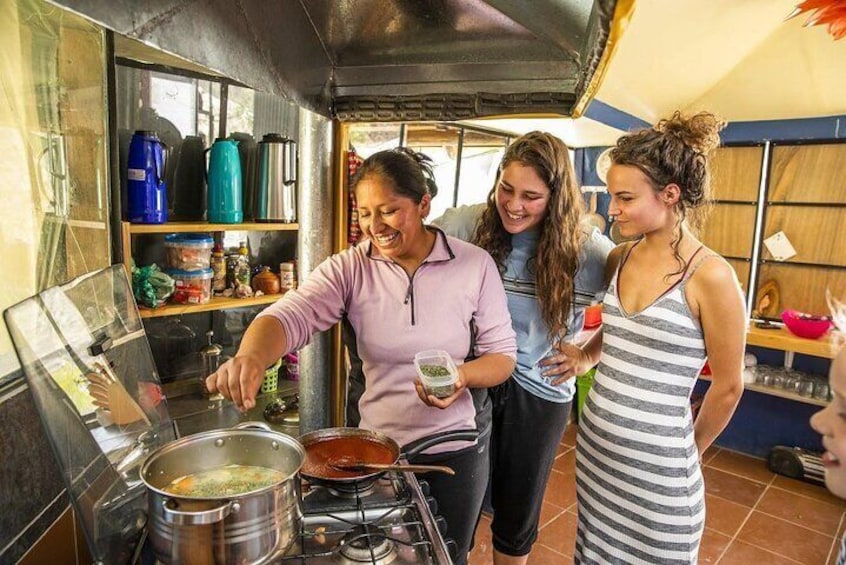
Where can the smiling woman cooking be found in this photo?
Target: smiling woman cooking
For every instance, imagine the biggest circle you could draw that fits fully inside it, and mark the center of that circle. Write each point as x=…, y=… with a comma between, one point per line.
x=406, y=289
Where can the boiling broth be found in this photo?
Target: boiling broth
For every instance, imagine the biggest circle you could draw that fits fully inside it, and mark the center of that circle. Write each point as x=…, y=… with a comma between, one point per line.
x=230, y=480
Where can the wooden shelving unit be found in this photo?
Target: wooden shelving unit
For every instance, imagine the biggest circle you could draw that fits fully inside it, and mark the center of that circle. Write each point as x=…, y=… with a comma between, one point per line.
x=182, y=227
x=783, y=340
x=216, y=303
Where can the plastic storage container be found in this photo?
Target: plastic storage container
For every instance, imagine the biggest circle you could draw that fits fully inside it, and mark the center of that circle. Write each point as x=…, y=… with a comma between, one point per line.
x=437, y=372
x=192, y=287
x=188, y=251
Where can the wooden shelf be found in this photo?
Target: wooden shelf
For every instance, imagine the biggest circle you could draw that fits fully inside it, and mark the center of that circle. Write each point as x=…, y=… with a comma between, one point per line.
x=782, y=339
x=216, y=303
x=781, y=393
x=181, y=227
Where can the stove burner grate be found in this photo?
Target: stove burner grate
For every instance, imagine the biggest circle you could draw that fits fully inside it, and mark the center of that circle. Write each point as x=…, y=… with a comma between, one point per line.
x=367, y=543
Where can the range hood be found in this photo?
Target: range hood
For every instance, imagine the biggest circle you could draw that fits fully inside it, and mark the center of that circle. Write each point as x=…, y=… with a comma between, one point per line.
x=383, y=60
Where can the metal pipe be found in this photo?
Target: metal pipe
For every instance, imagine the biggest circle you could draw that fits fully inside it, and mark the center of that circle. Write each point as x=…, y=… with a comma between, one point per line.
x=314, y=203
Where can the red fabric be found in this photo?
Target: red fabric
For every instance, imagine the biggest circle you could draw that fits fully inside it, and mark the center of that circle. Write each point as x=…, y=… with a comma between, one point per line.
x=353, y=230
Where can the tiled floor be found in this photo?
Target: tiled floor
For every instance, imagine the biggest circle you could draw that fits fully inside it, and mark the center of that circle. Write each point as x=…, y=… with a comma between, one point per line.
x=753, y=515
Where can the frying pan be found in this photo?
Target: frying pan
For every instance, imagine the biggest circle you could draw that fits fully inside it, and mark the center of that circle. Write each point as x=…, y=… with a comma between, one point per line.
x=345, y=444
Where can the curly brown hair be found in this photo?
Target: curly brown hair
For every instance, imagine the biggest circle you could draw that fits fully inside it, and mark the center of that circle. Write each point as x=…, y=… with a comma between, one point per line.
x=675, y=151
x=556, y=259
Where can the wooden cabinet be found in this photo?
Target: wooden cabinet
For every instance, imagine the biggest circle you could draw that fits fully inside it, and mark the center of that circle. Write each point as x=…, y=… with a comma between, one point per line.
x=730, y=228
x=128, y=230
x=806, y=199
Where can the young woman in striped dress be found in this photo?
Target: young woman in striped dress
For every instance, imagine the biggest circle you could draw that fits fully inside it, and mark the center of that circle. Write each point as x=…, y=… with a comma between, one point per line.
x=672, y=304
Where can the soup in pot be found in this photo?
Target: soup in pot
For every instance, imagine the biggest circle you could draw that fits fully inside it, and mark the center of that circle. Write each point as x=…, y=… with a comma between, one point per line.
x=230, y=480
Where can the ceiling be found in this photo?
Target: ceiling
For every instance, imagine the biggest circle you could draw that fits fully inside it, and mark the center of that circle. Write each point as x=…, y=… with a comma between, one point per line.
x=739, y=59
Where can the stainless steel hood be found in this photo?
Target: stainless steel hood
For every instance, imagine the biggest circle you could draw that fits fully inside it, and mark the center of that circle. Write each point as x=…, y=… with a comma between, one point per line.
x=377, y=60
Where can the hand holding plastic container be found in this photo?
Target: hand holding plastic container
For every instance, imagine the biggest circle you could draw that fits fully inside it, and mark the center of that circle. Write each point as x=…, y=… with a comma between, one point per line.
x=437, y=371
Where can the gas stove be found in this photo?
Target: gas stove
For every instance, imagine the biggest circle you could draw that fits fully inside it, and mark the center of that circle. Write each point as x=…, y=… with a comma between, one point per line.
x=392, y=520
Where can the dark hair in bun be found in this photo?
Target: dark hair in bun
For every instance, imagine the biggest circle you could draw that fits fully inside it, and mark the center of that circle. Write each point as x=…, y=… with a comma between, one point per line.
x=410, y=172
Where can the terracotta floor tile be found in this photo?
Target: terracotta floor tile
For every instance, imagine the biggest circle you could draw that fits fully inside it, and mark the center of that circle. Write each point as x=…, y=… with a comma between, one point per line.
x=569, y=438
x=542, y=555
x=834, y=552
x=713, y=545
x=560, y=534
x=740, y=553
x=723, y=515
x=808, y=512
x=482, y=553
x=566, y=462
x=786, y=539
x=731, y=487
x=709, y=454
x=549, y=512
x=561, y=489
x=808, y=489
x=743, y=465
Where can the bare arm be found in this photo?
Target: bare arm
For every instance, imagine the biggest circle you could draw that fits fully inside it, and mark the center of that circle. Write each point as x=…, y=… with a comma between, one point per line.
x=721, y=314
x=240, y=378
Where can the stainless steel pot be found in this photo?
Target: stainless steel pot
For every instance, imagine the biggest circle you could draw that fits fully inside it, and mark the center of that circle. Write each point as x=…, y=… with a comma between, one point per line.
x=249, y=529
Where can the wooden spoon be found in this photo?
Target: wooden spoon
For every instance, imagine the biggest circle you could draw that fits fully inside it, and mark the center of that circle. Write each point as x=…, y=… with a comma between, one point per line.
x=361, y=466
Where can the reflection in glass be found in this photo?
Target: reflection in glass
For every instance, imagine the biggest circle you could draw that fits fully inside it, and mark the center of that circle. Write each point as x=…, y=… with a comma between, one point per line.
x=54, y=222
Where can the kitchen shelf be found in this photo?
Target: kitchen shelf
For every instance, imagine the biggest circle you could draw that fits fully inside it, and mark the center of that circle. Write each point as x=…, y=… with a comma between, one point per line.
x=773, y=391
x=783, y=340
x=216, y=303
x=181, y=227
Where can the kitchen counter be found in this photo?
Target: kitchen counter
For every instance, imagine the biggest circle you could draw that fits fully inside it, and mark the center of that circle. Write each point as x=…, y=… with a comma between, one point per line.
x=195, y=412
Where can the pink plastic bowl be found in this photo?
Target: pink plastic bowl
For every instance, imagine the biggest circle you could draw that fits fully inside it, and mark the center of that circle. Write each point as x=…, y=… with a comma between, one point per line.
x=805, y=325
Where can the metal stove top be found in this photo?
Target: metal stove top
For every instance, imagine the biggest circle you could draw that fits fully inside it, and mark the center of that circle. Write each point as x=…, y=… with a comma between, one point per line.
x=391, y=521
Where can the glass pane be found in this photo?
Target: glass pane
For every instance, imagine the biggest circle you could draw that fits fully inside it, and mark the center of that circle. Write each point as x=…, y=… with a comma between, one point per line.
x=480, y=158
x=440, y=143
x=367, y=139
x=91, y=374
x=54, y=222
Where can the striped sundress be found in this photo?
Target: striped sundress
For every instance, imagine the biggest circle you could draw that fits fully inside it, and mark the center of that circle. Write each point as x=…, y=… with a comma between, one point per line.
x=641, y=497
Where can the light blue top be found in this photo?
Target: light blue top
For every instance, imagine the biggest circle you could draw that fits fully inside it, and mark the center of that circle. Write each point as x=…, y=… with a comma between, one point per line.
x=532, y=333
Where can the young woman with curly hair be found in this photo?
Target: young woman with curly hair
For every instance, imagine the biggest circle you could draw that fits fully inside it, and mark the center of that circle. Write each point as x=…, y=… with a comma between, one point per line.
x=552, y=265
x=672, y=304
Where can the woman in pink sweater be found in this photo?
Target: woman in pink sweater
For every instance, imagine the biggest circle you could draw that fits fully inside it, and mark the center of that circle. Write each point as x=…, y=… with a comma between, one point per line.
x=407, y=288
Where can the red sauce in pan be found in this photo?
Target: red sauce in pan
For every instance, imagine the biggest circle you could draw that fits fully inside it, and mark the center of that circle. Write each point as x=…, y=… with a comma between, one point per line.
x=323, y=452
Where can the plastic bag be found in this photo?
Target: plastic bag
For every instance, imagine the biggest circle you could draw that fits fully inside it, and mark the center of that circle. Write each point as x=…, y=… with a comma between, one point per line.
x=150, y=285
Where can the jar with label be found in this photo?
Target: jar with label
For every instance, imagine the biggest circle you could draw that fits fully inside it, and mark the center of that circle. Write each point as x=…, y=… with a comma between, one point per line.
x=218, y=266
x=242, y=269
x=287, y=277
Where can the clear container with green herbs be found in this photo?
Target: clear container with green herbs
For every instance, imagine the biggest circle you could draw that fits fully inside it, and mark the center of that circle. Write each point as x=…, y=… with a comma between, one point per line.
x=437, y=372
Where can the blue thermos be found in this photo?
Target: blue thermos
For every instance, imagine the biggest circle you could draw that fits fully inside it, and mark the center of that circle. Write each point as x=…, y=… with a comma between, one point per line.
x=225, y=196
x=145, y=179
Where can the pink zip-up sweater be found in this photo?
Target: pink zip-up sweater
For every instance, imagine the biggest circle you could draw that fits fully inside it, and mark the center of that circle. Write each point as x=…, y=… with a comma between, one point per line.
x=394, y=316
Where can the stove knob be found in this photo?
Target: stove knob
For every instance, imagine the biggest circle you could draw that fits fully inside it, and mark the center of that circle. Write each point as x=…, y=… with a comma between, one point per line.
x=440, y=522
x=433, y=505
x=424, y=487
x=452, y=548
